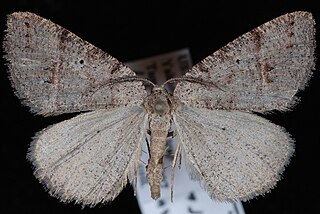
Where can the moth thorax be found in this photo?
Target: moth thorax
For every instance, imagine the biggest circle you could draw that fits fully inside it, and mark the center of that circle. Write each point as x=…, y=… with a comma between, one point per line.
x=161, y=106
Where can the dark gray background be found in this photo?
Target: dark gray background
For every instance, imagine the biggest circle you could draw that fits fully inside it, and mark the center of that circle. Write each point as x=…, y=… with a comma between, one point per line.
x=130, y=30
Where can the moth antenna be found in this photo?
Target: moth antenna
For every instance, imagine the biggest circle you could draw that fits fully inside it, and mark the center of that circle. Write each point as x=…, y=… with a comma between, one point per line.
x=120, y=80
x=193, y=80
x=130, y=79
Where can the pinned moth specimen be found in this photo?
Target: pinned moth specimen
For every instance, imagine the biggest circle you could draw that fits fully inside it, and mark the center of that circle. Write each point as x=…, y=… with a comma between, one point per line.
x=234, y=153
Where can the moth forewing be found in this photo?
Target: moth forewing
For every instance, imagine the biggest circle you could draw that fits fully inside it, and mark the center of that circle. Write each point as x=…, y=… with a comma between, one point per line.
x=259, y=71
x=54, y=71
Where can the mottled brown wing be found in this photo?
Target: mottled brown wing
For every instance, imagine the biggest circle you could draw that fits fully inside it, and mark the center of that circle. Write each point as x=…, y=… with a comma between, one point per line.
x=260, y=71
x=55, y=72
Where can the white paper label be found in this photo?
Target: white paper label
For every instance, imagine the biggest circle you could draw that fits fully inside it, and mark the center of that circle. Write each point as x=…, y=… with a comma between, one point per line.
x=162, y=67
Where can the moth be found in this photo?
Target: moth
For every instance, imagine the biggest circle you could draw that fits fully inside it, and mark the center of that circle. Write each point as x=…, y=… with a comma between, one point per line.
x=234, y=153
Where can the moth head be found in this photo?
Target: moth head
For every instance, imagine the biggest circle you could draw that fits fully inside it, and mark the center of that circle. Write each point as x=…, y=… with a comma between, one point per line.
x=161, y=107
x=158, y=101
x=158, y=91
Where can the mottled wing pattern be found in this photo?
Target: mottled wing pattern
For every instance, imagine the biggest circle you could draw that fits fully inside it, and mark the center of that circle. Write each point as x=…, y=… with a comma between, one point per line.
x=89, y=158
x=260, y=71
x=55, y=72
x=235, y=155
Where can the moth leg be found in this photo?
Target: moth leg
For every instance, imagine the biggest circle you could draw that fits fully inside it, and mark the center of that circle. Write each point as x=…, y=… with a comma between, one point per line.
x=166, y=149
x=176, y=154
x=148, y=147
x=143, y=162
x=164, y=154
x=136, y=171
x=148, y=142
x=180, y=158
x=172, y=134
